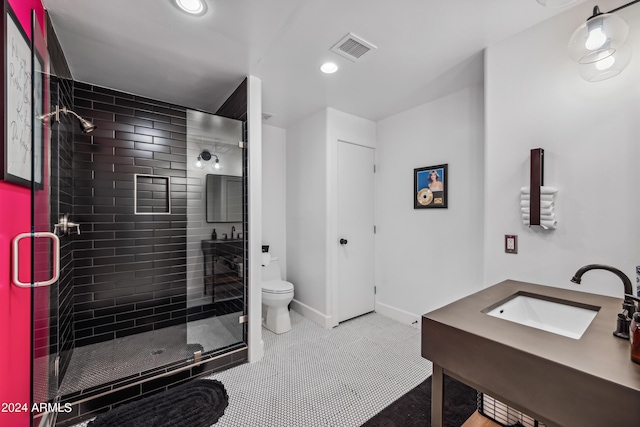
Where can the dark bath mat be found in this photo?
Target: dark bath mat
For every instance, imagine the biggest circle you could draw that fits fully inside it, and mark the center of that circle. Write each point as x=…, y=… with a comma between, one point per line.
x=198, y=403
x=414, y=408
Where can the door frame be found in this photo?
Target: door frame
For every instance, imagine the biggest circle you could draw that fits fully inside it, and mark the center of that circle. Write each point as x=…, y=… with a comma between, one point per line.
x=331, y=245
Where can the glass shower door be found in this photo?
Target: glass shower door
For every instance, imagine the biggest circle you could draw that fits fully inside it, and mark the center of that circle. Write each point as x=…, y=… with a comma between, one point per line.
x=216, y=232
x=45, y=246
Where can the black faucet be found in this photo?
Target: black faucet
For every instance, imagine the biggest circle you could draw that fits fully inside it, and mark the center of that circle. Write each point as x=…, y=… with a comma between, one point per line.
x=628, y=306
x=233, y=230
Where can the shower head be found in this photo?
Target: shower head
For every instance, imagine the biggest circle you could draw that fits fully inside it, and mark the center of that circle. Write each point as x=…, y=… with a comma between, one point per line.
x=85, y=125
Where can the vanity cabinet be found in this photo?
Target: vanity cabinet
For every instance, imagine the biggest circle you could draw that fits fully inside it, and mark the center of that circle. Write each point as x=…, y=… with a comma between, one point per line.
x=223, y=269
x=559, y=380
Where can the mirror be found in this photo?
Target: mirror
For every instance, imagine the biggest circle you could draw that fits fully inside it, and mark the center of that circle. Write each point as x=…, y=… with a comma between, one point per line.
x=224, y=198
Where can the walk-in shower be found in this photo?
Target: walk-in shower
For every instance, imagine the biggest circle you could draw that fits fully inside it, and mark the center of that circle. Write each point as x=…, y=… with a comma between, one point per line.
x=148, y=290
x=129, y=290
x=146, y=298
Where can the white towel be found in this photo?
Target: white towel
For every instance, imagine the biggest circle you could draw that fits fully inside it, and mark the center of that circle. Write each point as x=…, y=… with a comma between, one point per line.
x=543, y=211
x=545, y=197
x=549, y=217
x=266, y=258
x=543, y=190
x=545, y=224
x=543, y=203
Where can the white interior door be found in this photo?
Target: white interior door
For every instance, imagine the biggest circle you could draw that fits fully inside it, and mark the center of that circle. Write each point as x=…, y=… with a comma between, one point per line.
x=355, y=230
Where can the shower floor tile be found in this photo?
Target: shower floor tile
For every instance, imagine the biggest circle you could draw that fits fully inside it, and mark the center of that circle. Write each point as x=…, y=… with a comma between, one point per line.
x=109, y=361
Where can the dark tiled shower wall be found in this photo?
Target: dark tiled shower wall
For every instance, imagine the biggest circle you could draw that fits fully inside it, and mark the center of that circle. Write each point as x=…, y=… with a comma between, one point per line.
x=130, y=270
x=235, y=107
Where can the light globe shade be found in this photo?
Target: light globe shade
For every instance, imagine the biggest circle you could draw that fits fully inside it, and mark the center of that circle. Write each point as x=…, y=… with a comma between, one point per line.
x=598, y=38
x=607, y=67
x=556, y=3
x=198, y=163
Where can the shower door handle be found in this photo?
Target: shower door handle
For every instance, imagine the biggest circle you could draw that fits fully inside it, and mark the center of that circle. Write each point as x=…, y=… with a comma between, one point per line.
x=56, y=259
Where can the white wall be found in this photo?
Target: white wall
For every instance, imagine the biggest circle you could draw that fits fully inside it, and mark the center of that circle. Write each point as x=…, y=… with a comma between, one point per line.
x=426, y=258
x=350, y=128
x=306, y=213
x=274, y=190
x=312, y=208
x=532, y=97
x=589, y=131
x=254, y=155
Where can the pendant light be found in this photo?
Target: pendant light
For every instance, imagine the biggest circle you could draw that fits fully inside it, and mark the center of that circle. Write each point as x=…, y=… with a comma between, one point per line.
x=598, y=38
x=599, y=47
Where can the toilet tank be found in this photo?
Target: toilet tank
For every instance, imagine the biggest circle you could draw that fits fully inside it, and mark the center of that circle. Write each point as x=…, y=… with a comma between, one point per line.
x=272, y=271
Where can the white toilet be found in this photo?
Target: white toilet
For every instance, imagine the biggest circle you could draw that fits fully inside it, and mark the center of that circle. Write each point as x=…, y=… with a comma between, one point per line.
x=276, y=296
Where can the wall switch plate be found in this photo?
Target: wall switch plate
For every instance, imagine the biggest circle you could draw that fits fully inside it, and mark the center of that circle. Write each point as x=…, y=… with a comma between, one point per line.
x=511, y=244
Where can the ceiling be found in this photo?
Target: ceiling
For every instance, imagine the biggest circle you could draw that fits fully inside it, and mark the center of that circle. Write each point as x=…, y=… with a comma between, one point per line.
x=425, y=49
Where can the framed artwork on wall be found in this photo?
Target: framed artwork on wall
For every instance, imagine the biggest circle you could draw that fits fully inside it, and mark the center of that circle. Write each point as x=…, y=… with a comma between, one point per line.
x=23, y=142
x=430, y=187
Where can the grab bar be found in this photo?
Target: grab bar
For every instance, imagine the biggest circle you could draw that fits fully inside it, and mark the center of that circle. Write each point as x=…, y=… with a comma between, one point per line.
x=56, y=259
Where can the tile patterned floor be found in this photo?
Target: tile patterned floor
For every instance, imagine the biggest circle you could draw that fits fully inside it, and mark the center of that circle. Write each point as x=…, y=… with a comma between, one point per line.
x=316, y=377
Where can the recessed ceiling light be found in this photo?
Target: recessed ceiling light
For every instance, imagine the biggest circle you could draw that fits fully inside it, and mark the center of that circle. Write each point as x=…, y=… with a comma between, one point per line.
x=193, y=7
x=329, y=68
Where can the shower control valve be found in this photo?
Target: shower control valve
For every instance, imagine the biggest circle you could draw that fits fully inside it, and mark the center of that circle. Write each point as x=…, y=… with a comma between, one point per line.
x=64, y=227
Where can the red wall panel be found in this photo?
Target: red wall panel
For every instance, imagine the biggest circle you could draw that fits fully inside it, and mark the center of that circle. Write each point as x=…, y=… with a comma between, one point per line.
x=15, y=303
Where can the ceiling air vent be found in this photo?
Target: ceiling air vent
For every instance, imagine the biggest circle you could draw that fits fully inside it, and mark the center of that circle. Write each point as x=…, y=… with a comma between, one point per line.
x=352, y=47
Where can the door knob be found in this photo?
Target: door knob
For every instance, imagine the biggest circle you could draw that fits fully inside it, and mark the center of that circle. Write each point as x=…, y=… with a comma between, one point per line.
x=343, y=241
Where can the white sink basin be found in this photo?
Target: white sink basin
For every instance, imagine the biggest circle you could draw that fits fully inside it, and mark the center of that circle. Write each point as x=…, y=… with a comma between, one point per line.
x=559, y=317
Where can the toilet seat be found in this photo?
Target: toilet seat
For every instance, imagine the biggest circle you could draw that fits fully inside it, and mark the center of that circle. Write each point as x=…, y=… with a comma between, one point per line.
x=277, y=287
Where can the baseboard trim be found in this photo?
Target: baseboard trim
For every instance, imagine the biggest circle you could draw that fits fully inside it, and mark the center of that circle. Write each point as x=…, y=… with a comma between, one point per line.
x=311, y=314
x=399, y=315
